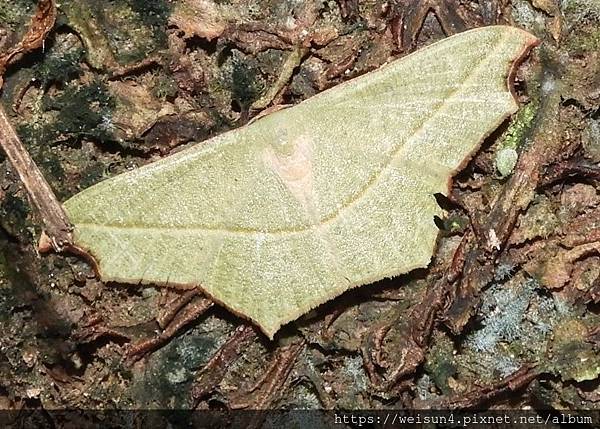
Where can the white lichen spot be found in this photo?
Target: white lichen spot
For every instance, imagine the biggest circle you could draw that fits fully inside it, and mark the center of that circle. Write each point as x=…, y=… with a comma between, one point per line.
x=177, y=376
x=504, y=271
x=354, y=367
x=493, y=240
x=548, y=85
x=107, y=123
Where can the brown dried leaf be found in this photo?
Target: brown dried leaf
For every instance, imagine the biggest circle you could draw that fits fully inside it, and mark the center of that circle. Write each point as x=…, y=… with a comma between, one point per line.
x=539, y=221
x=579, y=197
x=556, y=272
x=172, y=130
x=201, y=18
x=583, y=229
x=586, y=274
x=549, y=6
x=40, y=25
x=137, y=109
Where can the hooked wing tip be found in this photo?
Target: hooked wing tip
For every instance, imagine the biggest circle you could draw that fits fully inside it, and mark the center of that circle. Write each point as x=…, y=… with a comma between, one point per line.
x=107, y=253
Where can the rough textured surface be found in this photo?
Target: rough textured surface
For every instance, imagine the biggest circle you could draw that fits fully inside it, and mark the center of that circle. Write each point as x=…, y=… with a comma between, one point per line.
x=66, y=335
x=290, y=211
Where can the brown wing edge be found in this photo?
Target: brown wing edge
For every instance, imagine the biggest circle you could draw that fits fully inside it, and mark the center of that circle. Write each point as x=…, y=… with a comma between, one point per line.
x=510, y=78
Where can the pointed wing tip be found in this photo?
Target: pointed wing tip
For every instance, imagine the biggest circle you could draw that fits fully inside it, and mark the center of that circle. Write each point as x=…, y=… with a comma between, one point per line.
x=509, y=28
x=529, y=40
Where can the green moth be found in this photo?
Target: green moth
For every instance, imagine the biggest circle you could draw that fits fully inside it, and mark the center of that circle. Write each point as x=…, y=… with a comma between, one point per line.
x=279, y=216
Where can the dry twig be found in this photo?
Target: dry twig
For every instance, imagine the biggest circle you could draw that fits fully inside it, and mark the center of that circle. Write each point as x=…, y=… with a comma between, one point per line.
x=479, y=396
x=215, y=369
x=269, y=386
x=56, y=225
x=191, y=311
